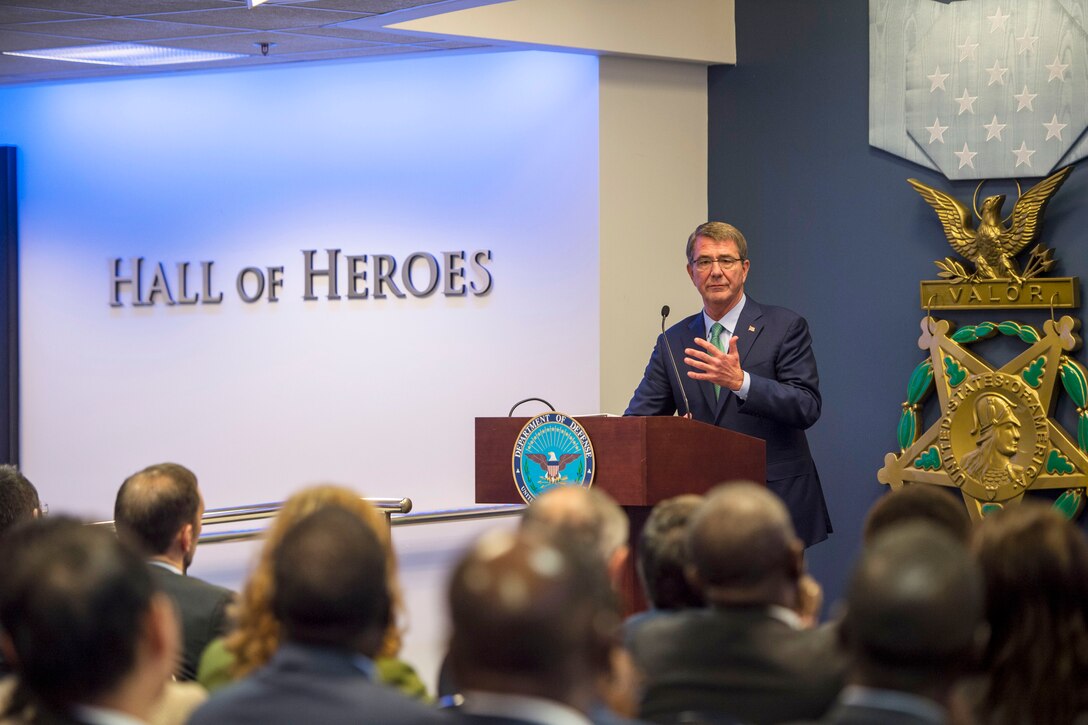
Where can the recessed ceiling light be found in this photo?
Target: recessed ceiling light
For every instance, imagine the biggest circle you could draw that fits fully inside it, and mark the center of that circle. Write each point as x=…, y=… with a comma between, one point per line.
x=125, y=54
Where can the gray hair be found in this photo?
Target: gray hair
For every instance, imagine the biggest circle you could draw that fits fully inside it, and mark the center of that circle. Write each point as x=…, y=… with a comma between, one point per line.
x=720, y=232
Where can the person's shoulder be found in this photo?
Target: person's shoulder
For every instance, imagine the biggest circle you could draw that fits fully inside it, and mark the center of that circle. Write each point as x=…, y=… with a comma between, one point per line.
x=669, y=625
x=190, y=587
x=210, y=590
x=774, y=312
x=234, y=698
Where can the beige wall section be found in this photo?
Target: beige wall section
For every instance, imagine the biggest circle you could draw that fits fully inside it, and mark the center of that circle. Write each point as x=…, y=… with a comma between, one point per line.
x=653, y=176
x=687, y=30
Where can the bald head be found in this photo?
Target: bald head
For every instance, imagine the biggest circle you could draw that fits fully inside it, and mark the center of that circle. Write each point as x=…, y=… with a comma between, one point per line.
x=743, y=547
x=589, y=517
x=154, y=505
x=531, y=616
x=914, y=608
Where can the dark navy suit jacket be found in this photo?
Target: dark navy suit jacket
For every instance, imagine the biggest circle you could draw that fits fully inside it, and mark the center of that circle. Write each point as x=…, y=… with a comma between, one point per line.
x=202, y=610
x=775, y=349
x=303, y=684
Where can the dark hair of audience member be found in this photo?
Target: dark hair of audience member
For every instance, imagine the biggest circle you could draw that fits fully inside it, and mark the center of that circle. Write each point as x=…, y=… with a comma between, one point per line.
x=258, y=632
x=663, y=554
x=919, y=503
x=531, y=615
x=71, y=599
x=331, y=588
x=18, y=497
x=743, y=547
x=915, y=609
x=153, y=504
x=1035, y=563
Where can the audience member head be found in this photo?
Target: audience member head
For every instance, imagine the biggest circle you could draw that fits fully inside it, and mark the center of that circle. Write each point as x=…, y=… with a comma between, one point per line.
x=532, y=615
x=258, y=632
x=743, y=548
x=919, y=503
x=587, y=517
x=18, y=498
x=1035, y=563
x=330, y=583
x=82, y=619
x=159, y=510
x=663, y=554
x=914, y=611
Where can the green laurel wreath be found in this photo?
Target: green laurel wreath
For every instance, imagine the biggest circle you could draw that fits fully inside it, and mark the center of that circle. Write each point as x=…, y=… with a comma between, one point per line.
x=1072, y=377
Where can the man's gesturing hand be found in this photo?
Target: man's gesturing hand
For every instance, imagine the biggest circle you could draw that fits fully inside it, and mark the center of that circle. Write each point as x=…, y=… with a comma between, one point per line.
x=710, y=363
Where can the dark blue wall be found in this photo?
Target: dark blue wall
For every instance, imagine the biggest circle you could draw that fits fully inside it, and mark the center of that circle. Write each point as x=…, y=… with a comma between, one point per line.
x=836, y=233
x=9, y=310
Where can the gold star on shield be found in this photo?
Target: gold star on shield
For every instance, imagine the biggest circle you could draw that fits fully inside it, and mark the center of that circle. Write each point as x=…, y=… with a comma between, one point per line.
x=995, y=438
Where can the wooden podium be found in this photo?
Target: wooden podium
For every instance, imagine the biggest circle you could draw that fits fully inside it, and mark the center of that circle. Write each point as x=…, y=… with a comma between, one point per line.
x=639, y=460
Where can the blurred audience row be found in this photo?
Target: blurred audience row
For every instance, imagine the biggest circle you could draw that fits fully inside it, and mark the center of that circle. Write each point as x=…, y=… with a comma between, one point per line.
x=943, y=621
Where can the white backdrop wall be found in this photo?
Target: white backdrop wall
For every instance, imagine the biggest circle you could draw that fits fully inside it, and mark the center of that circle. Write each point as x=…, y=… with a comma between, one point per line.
x=248, y=168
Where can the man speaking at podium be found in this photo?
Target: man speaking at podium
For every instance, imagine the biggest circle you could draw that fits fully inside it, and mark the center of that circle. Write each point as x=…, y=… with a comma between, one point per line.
x=746, y=367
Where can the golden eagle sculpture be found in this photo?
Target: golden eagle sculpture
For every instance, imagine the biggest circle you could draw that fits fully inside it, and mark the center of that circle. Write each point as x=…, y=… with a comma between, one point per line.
x=993, y=247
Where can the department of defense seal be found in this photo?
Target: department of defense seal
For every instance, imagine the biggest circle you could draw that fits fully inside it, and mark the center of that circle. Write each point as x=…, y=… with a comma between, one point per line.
x=552, y=450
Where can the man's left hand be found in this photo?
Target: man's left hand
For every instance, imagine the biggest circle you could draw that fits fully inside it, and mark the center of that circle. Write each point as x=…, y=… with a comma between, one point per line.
x=710, y=363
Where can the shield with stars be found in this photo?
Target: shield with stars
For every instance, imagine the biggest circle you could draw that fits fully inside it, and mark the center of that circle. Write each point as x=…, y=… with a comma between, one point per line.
x=980, y=89
x=996, y=437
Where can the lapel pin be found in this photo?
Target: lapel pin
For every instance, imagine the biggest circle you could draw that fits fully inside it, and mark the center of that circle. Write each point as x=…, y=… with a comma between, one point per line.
x=751, y=328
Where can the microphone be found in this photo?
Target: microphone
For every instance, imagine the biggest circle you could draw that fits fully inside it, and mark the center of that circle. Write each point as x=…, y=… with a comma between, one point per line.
x=664, y=314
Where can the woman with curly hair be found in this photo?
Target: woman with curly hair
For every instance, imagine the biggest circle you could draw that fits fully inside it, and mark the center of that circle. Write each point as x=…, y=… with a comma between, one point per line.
x=257, y=632
x=1035, y=563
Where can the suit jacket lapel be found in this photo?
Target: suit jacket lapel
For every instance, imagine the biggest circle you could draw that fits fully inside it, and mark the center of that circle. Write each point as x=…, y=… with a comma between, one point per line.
x=746, y=332
x=697, y=328
x=748, y=328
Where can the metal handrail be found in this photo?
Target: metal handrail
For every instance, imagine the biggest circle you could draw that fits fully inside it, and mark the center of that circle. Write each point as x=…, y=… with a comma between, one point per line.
x=445, y=516
x=253, y=512
x=406, y=519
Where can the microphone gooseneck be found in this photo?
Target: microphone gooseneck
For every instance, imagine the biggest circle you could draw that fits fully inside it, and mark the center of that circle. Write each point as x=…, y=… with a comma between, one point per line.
x=668, y=348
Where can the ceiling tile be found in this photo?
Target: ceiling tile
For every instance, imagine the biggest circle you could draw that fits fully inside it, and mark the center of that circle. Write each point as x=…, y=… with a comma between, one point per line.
x=14, y=40
x=121, y=8
x=120, y=29
x=265, y=17
x=281, y=43
x=371, y=6
x=374, y=36
x=10, y=16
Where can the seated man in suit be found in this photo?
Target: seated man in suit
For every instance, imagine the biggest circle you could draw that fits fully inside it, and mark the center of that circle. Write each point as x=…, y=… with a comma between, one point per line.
x=746, y=656
x=332, y=598
x=534, y=624
x=159, y=510
x=662, y=560
x=914, y=623
x=590, y=520
x=93, y=639
x=18, y=502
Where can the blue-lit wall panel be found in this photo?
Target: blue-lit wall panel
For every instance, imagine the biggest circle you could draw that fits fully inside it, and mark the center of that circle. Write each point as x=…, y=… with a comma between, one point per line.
x=475, y=152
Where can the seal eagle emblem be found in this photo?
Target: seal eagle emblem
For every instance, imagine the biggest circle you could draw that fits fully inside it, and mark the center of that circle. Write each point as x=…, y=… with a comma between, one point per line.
x=994, y=245
x=552, y=450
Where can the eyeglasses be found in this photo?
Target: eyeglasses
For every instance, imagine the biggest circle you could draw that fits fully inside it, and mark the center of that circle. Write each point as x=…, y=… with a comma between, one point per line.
x=703, y=264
